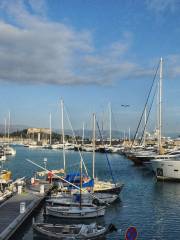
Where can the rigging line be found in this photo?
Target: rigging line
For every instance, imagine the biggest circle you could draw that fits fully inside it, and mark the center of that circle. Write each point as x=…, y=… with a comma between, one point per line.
x=115, y=121
x=145, y=104
x=76, y=141
x=106, y=153
x=148, y=114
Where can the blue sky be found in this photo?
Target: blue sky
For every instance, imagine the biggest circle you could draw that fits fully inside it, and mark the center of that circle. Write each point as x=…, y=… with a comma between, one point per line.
x=90, y=53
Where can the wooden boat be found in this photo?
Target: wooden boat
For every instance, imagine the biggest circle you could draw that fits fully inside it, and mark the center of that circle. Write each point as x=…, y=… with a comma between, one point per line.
x=107, y=187
x=75, y=212
x=74, y=231
x=87, y=199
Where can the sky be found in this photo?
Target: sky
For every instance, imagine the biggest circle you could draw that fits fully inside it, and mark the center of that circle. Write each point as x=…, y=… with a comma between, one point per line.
x=89, y=53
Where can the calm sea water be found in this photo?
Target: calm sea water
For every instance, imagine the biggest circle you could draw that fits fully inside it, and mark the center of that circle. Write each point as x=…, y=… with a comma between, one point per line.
x=152, y=207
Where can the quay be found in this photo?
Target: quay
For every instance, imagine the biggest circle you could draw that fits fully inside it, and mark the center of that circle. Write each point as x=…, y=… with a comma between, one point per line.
x=11, y=217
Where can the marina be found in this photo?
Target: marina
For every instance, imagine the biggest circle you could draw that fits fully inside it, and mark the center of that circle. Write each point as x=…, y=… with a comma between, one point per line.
x=89, y=120
x=144, y=202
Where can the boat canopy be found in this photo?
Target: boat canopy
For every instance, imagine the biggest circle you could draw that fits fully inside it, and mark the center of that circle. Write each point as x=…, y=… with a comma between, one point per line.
x=75, y=179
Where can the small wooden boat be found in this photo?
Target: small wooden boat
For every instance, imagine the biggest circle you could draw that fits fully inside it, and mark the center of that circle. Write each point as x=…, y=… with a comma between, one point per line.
x=75, y=212
x=87, y=199
x=74, y=231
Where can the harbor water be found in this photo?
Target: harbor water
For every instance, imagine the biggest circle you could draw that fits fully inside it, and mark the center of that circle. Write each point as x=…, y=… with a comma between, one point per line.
x=152, y=207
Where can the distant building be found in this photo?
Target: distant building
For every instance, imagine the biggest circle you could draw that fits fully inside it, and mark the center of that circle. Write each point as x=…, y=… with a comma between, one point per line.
x=38, y=134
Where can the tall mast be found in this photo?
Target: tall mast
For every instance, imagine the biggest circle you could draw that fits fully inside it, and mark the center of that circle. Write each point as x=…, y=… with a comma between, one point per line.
x=62, y=126
x=129, y=135
x=160, y=104
x=50, y=130
x=94, y=144
x=80, y=183
x=145, y=122
x=83, y=135
x=110, y=125
x=9, y=119
x=5, y=123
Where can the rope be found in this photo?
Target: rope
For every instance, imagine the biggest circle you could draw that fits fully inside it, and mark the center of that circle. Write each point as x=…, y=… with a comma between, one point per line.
x=106, y=154
x=145, y=105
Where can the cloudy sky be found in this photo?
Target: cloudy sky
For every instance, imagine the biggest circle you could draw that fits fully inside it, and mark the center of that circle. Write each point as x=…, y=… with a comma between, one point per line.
x=90, y=53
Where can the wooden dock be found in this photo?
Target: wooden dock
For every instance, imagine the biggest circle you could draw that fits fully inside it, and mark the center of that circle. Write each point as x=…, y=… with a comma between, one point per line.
x=11, y=218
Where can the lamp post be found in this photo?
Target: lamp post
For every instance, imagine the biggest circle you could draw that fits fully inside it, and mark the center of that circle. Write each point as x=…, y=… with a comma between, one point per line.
x=126, y=106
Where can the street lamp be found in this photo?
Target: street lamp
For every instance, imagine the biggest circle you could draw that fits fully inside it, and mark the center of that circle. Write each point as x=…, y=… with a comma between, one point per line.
x=126, y=106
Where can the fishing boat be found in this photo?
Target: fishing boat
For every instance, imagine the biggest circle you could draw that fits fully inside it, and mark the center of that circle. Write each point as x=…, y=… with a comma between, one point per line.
x=87, y=199
x=73, y=231
x=76, y=212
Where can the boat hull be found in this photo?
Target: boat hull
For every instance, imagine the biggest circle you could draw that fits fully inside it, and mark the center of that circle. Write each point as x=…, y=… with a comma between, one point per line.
x=114, y=189
x=166, y=170
x=51, y=231
x=75, y=213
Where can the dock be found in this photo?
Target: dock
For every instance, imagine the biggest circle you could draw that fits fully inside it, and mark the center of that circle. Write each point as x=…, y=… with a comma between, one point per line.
x=10, y=216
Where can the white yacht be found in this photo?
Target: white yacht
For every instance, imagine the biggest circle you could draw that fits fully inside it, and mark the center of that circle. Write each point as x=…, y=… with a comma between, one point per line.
x=166, y=169
x=9, y=150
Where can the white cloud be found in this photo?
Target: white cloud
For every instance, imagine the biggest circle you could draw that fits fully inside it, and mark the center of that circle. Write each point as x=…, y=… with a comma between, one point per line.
x=160, y=6
x=34, y=49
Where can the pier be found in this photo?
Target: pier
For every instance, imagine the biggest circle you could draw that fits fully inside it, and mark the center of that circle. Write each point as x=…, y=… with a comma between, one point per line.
x=11, y=217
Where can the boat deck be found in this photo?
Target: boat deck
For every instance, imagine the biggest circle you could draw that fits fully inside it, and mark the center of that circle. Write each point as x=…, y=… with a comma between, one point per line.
x=11, y=218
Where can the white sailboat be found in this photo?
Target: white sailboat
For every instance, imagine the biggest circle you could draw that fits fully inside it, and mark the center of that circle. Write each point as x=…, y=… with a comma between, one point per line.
x=7, y=149
x=76, y=212
x=165, y=168
x=103, y=186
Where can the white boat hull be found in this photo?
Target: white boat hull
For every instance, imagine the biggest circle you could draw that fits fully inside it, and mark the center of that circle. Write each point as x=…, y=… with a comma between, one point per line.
x=75, y=212
x=57, y=231
x=166, y=169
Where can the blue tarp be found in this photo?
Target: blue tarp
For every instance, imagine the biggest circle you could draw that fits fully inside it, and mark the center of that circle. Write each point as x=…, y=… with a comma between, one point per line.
x=90, y=183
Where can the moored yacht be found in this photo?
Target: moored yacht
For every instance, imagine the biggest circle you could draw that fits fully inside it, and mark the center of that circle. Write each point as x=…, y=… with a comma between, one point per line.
x=166, y=169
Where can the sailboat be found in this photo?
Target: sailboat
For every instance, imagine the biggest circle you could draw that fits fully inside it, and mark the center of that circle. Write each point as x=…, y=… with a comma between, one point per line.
x=165, y=168
x=147, y=156
x=76, y=212
x=73, y=231
x=7, y=149
x=103, y=186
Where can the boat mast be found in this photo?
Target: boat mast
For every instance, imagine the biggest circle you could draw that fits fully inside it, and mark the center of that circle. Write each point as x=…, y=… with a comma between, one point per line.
x=50, y=128
x=62, y=125
x=5, y=130
x=83, y=135
x=160, y=106
x=110, y=125
x=9, y=117
x=129, y=135
x=94, y=144
x=145, y=122
x=80, y=205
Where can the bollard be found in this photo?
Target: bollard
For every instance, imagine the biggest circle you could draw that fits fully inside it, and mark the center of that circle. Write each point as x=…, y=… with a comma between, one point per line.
x=41, y=189
x=19, y=189
x=22, y=207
